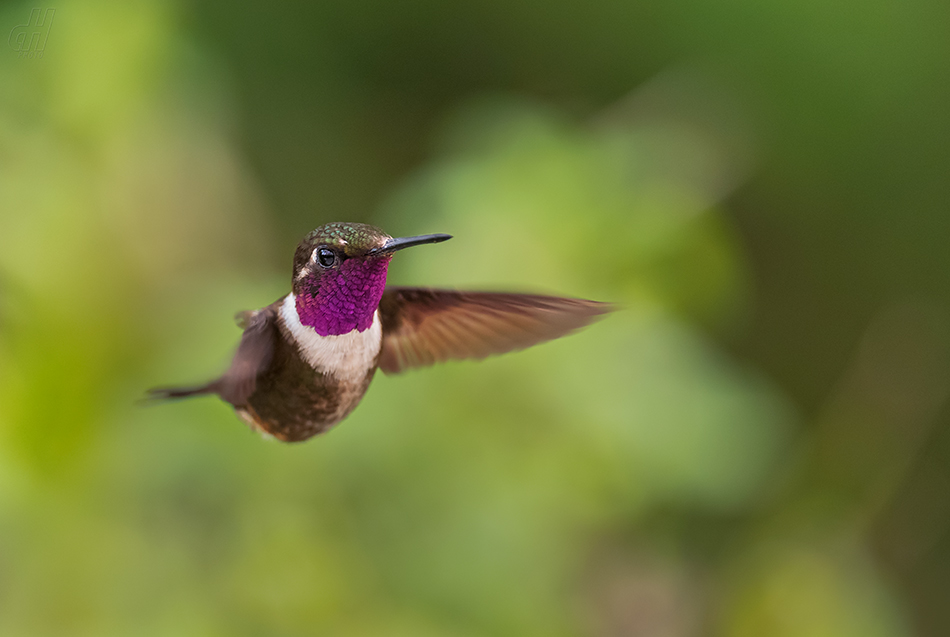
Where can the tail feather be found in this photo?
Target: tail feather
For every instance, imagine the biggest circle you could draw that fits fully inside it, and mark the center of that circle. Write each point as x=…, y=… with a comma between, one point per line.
x=167, y=393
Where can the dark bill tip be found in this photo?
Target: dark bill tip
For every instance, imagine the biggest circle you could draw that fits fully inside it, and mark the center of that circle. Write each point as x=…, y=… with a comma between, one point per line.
x=407, y=242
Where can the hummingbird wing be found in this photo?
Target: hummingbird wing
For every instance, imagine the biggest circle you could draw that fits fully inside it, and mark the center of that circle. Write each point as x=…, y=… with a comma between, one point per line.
x=423, y=326
x=252, y=358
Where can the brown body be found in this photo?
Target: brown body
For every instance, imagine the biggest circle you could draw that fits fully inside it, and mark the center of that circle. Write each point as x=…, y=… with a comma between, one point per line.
x=292, y=401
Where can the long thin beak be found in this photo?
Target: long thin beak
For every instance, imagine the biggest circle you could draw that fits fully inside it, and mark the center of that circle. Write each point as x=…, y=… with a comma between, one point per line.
x=407, y=242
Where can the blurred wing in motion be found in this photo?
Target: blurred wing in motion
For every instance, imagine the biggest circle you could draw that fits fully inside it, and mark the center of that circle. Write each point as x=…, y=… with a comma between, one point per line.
x=252, y=358
x=423, y=326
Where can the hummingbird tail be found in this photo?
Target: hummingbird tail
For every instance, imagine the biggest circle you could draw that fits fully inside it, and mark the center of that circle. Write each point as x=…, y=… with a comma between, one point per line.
x=167, y=393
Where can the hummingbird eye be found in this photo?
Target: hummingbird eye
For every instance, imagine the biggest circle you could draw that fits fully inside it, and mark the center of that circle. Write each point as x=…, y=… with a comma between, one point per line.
x=326, y=257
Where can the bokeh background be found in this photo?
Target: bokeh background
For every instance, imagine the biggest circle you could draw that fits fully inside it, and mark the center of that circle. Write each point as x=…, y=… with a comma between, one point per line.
x=758, y=444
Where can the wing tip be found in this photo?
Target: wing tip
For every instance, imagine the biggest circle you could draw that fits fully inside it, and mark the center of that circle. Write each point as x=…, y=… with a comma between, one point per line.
x=599, y=308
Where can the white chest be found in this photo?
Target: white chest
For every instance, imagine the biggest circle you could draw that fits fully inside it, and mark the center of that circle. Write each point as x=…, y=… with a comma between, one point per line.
x=345, y=356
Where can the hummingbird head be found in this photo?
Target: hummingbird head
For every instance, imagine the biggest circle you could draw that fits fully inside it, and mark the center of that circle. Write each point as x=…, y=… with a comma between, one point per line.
x=340, y=274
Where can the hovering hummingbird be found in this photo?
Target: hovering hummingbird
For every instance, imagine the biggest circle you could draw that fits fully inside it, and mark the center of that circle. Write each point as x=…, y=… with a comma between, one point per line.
x=305, y=361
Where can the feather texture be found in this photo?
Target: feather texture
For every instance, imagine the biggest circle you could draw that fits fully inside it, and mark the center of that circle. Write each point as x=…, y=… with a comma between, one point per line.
x=424, y=326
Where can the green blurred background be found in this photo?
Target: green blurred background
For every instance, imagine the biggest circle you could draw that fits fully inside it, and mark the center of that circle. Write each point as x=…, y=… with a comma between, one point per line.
x=757, y=445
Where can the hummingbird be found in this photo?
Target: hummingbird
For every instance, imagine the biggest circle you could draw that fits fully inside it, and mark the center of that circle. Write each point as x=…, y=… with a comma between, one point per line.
x=305, y=361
